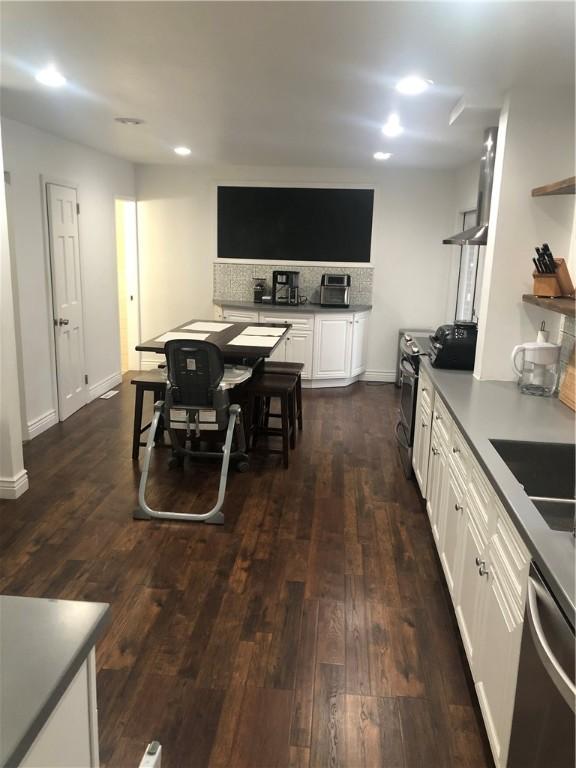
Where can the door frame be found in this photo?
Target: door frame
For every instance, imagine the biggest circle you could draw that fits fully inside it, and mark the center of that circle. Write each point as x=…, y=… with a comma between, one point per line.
x=129, y=199
x=46, y=179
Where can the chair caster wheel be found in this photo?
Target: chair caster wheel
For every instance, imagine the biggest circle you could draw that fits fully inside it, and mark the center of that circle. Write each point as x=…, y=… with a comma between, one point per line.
x=176, y=462
x=242, y=466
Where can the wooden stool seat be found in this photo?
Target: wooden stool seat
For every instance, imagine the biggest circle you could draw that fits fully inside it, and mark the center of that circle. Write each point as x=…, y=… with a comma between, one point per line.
x=145, y=381
x=288, y=369
x=263, y=386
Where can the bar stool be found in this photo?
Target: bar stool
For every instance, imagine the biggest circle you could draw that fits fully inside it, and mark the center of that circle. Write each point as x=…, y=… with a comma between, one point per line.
x=288, y=369
x=147, y=381
x=261, y=388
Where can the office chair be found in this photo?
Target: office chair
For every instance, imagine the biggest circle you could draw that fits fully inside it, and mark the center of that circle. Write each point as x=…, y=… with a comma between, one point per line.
x=197, y=406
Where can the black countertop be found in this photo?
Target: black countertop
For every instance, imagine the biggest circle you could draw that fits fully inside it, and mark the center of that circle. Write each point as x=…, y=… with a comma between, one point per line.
x=43, y=644
x=489, y=410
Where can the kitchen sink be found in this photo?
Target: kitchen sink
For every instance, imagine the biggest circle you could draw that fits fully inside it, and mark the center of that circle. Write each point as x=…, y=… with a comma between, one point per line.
x=547, y=472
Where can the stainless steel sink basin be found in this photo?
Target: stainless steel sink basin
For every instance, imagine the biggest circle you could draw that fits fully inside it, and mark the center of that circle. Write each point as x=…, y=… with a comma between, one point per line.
x=547, y=471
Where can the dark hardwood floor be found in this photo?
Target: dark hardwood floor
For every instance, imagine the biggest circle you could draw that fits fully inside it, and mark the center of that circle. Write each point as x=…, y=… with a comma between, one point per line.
x=312, y=629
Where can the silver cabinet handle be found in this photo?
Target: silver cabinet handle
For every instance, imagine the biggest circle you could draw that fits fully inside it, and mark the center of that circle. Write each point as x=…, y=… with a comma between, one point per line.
x=424, y=425
x=455, y=450
x=438, y=417
x=565, y=686
x=483, y=571
x=435, y=451
x=61, y=321
x=424, y=389
x=459, y=508
x=479, y=561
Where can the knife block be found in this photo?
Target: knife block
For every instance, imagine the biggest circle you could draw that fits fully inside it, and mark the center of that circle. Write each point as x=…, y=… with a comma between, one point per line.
x=556, y=285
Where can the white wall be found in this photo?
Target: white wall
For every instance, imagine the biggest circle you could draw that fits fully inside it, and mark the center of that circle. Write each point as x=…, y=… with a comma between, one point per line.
x=414, y=209
x=535, y=147
x=28, y=154
x=13, y=476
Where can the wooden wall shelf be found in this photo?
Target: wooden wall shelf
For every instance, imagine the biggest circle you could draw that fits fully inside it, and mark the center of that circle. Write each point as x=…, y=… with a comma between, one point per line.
x=565, y=305
x=564, y=187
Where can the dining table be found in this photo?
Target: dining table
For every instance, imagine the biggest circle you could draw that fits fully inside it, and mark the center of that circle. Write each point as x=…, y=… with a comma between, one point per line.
x=239, y=343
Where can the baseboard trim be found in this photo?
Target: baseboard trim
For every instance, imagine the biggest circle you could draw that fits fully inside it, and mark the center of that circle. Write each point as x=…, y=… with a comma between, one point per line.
x=374, y=375
x=148, y=364
x=41, y=424
x=104, y=385
x=328, y=383
x=13, y=487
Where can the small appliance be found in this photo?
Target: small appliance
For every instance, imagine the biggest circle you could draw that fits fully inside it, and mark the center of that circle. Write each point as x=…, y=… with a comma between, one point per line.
x=454, y=346
x=335, y=290
x=537, y=364
x=412, y=347
x=259, y=289
x=285, y=287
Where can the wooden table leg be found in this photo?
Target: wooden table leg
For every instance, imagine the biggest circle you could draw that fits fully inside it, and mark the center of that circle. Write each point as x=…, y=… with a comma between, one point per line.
x=292, y=402
x=284, y=409
x=299, y=400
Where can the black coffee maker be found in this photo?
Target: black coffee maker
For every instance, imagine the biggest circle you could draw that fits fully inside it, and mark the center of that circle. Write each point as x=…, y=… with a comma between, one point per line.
x=285, y=287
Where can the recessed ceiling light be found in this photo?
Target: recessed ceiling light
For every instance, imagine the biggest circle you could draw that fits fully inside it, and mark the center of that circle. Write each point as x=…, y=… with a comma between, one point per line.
x=51, y=77
x=413, y=85
x=392, y=128
x=183, y=151
x=382, y=155
x=129, y=120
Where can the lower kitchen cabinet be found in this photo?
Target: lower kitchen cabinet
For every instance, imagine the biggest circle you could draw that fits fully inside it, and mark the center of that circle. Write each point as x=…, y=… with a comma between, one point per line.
x=484, y=561
x=331, y=345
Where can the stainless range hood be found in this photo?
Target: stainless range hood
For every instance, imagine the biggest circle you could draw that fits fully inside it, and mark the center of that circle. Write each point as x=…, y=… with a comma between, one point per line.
x=478, y=234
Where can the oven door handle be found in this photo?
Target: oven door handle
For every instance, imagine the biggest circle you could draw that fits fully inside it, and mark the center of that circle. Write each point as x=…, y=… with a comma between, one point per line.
x=400, y=441
x=406, y=368
x=558, y=676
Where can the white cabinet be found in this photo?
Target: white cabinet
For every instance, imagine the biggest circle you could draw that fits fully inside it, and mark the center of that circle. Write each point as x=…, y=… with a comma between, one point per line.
x=451, y=519
x=359, y=343
x=240, y=316
x=436, y=483
x=484, y=561
x=332, y=346
x=299, y=349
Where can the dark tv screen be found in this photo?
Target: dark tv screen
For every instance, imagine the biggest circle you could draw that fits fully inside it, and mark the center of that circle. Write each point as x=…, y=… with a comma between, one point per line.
x=295, y=224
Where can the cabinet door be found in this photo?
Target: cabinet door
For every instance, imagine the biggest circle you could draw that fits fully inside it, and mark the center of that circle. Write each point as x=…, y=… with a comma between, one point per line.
x=421, y=449
x=359, y=339
x=437, y=465
x=451, y=520
x=299, y=346
x=499, y=653
x=332, y=346
x=470, y=589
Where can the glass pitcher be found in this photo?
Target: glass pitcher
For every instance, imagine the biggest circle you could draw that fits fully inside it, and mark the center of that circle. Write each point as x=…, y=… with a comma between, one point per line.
x=538, y=367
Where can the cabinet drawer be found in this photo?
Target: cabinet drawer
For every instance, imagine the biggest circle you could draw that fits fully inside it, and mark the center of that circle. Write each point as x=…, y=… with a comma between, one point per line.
x=425, y=391
x=482, y=499
x=239, y=315
x=302, y=322
x=459, y=455
x=513, y=555
x=442, y=421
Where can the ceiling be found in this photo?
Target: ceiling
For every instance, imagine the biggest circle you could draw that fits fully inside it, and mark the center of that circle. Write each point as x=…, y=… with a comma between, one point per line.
x=278, y=83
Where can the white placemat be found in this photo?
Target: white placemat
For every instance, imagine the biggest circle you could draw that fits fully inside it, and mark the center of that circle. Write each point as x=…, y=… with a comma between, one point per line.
x=263, y=330
x=204, y=325
x=186, y=335
x=252, y=341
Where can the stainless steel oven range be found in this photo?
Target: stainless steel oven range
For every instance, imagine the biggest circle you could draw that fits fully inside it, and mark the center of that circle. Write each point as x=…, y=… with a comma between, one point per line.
x=411, y=349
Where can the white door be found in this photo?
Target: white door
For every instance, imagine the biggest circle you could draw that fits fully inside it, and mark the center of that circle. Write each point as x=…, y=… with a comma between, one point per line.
x=421, y=449
x=470, y=588
x=299, y=346
x=66, y=298
x=359, y=338
x=332, y=346
x=436, y=483
x=279, y=354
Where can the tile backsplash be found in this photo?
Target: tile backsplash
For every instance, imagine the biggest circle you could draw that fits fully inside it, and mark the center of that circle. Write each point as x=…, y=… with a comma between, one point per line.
x=235, y=281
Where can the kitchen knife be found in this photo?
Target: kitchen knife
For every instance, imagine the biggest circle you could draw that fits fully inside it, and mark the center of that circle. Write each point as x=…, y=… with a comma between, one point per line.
x=549, y=257
x=537, y=265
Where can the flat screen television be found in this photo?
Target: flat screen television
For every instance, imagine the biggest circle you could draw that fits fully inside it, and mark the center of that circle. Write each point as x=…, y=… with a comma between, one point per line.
x=295, y=223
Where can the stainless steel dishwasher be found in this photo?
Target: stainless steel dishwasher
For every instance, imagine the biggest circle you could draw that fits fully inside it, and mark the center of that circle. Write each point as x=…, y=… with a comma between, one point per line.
x=543, y=722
